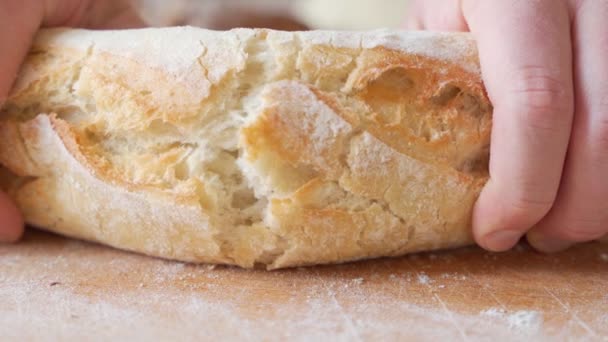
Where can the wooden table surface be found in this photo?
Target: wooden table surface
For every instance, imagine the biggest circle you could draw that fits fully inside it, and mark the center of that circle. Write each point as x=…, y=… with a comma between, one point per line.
x=52, y=288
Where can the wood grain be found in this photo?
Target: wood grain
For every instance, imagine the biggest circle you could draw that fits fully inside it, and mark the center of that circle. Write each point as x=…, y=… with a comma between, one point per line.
x=55, y=288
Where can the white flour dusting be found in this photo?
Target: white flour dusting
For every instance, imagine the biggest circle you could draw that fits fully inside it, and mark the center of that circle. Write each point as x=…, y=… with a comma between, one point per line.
x=169, y=301
x=110, y=295
x=525, y=320
x=493, y=312
x=358, y=281
x=604, y=257
x=164, y=315
x=424, y=279
x=454, y=276
x=518, y=320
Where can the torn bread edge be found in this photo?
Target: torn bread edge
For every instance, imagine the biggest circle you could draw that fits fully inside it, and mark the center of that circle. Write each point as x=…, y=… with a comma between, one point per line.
x=250, y=147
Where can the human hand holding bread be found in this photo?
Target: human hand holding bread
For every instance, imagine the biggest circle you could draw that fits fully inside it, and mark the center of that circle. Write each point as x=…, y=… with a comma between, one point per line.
x=20, y=22
x=545, y=69
x=530, y=88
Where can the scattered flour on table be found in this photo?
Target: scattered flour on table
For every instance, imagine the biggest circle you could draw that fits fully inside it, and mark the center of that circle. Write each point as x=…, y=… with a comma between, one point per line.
x=454, y=276
x=424, y=279
x=105, y=297
x=358, y=281
x=604, y=257
x=158, y=311
x=523, y=319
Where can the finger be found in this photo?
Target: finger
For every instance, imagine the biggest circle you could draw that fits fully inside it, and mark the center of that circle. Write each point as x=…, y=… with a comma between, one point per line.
x=436, y=15
x=19, y=23
x=413, y=19
x=110, y=14
x=11, y=221
x=580, y=212
x=526, y=65
x=21, y=19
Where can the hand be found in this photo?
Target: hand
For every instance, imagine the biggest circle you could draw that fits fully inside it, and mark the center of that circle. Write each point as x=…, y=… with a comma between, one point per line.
x=19, y=21
x=545, y=66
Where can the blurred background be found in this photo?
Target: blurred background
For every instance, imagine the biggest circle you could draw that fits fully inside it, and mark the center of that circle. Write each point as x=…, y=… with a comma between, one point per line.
x=276, y=14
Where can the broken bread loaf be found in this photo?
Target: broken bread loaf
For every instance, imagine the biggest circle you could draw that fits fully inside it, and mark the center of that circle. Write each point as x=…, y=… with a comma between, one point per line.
x=249, y=147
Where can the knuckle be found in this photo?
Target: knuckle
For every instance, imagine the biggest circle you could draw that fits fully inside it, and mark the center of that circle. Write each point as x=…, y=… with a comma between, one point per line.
x=599, y=126
x=578, y=6
x=590, y=130
x=601, y=145
x=590, y=134
x=544, y=100
x=527, y=210
x=584, y=229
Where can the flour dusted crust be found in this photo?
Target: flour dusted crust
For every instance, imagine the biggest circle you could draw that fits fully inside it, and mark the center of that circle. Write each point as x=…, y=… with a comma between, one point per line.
x=249, y=147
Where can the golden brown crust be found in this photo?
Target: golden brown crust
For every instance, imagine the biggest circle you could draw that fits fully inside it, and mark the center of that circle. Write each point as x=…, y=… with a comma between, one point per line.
x=250, y=146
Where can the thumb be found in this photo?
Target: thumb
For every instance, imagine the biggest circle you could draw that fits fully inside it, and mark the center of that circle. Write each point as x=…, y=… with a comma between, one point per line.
x=108, y=14
x=21, y=19
x=436, y=15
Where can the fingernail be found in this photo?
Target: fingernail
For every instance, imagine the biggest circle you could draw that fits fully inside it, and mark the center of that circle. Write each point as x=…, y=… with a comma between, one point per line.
x=501, y=240
x=547, y=244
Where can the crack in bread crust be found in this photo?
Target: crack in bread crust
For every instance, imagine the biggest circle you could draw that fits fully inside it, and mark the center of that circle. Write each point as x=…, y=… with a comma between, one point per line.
x=251, y=147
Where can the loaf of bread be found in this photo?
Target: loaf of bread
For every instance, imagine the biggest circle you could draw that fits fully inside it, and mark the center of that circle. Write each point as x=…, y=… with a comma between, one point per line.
x=249, y=147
